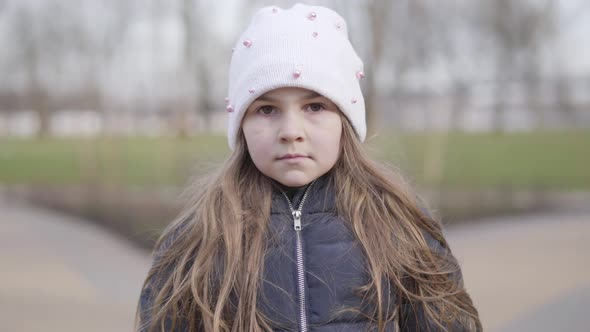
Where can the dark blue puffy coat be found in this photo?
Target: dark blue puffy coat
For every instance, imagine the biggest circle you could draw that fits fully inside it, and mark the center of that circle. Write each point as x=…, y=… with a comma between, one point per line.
x=312, y=272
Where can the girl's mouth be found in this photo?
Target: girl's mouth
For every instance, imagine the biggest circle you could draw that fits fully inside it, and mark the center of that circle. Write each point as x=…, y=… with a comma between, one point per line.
x=292, y=156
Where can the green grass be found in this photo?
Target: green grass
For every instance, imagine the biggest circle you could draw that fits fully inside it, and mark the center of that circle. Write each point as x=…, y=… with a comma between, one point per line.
x=540, y=160
x=128, y=161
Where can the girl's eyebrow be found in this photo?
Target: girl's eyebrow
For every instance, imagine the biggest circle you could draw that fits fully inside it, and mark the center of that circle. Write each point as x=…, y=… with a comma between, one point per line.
x=310, y=95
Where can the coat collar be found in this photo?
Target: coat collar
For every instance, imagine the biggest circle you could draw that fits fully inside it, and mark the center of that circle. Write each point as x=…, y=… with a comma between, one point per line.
x=320, y=197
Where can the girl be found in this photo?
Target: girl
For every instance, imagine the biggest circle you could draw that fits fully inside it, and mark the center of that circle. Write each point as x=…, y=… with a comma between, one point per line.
x=299, y=230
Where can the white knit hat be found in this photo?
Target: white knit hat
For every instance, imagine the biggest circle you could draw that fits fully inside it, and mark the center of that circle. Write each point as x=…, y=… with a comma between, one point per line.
x=304, y=46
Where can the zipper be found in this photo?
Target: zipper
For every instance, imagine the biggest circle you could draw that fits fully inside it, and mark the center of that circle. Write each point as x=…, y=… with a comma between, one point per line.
x=299, y=257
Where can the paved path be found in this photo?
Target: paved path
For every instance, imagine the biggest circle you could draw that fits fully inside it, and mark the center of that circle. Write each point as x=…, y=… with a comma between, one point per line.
x=528, y=273
x=60, y=274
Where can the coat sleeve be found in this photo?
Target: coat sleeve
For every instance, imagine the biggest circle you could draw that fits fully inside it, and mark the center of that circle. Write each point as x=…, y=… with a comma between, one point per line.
x=152, y=286
x=145, y=305
x=413, y=318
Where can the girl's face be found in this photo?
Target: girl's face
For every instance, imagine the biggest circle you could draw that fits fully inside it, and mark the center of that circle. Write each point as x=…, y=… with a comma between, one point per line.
x=293, y=135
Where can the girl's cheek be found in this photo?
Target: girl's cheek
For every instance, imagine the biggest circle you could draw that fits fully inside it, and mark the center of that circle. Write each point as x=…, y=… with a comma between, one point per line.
x=327, y=119
x=257, y=121
x=317, y=118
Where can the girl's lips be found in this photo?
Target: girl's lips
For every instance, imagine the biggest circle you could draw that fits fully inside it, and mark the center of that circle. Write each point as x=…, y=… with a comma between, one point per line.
x=292, y=156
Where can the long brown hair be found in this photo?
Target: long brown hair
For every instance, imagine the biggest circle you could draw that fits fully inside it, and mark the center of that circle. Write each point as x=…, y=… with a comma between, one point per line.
x=208, y=265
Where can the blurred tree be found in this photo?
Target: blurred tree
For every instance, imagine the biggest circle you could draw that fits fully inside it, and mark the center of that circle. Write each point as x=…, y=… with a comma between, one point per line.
x=517, y=29
x=395, y=38
x=28, y=32
x=377, y=19
x=114, y=54
x=199, y=41
x=563, y=100
x=62, y=60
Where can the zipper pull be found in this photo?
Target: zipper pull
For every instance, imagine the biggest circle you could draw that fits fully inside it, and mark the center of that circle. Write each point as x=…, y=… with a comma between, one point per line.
x=297, y=219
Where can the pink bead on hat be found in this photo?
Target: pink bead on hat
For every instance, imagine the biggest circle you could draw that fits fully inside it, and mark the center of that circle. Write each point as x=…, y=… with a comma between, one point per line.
x=281, y=48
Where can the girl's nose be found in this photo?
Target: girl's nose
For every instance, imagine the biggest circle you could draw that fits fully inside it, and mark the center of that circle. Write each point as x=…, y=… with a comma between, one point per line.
x=291, y=127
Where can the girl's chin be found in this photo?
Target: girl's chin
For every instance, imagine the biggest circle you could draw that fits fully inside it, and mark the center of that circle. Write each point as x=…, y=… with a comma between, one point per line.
x=294, y=184
x=297, y=180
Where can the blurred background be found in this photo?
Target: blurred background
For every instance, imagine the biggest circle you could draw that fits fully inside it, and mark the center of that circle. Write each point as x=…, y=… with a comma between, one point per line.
x=108, y=110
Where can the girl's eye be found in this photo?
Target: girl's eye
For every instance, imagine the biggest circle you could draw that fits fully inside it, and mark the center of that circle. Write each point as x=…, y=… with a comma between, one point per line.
x=316, y=107
x=266, y=110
